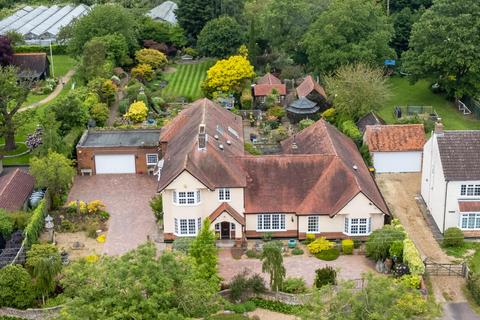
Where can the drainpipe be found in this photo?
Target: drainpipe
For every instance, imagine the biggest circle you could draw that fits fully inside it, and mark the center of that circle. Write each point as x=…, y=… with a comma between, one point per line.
x=445, y=206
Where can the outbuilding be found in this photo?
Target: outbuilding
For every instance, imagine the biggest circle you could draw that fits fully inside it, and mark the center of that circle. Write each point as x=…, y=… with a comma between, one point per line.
x=118, y=151
x=396, y=148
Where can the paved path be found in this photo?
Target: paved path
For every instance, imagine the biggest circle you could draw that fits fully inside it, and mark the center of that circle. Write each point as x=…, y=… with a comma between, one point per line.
x=127, y=199
x=118, y=97
x=458, y=311
x=54, y=94
x=349, y=267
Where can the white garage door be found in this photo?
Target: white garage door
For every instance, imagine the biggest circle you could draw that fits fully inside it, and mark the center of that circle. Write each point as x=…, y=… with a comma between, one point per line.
x=397, y=161
x=117, y=163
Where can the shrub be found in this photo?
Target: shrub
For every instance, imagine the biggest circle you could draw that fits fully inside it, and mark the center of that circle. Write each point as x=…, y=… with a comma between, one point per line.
x=297, y=252
x=305, y=123
x=17, y=289
x=378, y=244
x=410, y=281
x=453, y=237
x=324, y=276
x=6, y=224
x=350, y=129
x=242, y=286
x=357, y=243
x=35, y=224
x=319, y=245
x=95, y=207
x=412, y=258
x=278, y=306
x=72, y=206
x=242, y=307
x=156, y=203
x=473, y=285
x=182, y=244
x=252, y=254
x=137, y=112
x=151, y=57
x=276, y=111
x=294, y=285
x=19, y=219
x=267, y=236
x=279, y=134
x=309, y=238
x=396, y=249
x=100, y=113
x=91, y=230
x=246, y=99
x=347, y=246
x=328, y=255
x=329, y=115
x=123, y=106
x=143, y=72
x=251, y=149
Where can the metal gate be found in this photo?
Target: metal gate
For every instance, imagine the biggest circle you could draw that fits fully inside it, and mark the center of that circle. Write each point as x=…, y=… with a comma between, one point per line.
x=445, y=269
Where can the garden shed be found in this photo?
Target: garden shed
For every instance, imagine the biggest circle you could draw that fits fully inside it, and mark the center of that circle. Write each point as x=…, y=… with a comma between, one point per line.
x=301, y=109
x=118, y=151
x=396, y=148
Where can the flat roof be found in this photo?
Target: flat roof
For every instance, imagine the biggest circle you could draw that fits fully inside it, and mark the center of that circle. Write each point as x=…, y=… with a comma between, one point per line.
x=120, y=138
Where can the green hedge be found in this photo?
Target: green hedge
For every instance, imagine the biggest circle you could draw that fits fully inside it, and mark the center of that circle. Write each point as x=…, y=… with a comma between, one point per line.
x=35, y=225
x=473, y=285
x=411, y=257
x=56, y=49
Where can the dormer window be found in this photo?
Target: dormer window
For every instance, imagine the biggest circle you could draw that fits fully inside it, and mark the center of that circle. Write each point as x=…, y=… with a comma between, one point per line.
x=224, y=194
x=470, y=190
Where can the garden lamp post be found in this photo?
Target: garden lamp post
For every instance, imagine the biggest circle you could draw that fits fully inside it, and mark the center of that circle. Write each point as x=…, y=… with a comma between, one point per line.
x=49, y=226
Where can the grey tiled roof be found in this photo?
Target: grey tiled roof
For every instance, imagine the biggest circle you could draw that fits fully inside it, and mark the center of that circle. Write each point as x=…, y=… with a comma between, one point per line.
x=460, y=154
x=120, y=138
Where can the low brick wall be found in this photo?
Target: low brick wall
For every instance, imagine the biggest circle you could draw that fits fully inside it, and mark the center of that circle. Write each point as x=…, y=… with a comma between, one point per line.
x=34, y=314
x=286, y=298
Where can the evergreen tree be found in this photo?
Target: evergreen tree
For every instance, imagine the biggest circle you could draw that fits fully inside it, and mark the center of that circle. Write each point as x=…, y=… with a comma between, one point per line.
x=272, y=262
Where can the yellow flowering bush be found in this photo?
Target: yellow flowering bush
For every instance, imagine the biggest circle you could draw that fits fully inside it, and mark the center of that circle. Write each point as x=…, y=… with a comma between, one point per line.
x=95, y=206
x=137, y=112
x=143, y=72
x=228, y=75
x=73, y=206
x=319, y=245
x=151, y=57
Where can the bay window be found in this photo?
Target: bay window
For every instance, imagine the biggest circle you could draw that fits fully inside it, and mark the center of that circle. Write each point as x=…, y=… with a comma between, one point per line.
x=470, y=221
x=358, y=226
x=271, y=222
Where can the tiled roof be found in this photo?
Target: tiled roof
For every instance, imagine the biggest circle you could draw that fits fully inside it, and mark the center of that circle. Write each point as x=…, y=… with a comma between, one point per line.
x=120, y=138
x=213, y=166
x=266, y=89
x=397, y=137
x=370, y=119
x=469, y=206
x=307, y=86
x=269, y=79
x=460, y=154
x=225, y=207
x=15, y=187
x=35, y=63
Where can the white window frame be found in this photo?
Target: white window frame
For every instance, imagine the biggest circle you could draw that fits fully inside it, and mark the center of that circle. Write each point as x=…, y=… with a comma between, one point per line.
x=224, y=195
x=473, y=189
x=186, y=198
x=313, y=224
x=186, y=227
x=469, y=218
x=266, y=221
x=353, y=226
x=151, y=155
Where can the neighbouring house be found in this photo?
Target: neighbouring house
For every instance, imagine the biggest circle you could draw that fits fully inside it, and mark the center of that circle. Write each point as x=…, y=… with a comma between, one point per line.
x=310, y=89
x=35, y=66
x=118, y=151
x=16, y=185
x=302, y=109
x=265, y=86
x=318, y=185
x=395, y=148
x=370, y=119
x=451, y=179
x=164, y=12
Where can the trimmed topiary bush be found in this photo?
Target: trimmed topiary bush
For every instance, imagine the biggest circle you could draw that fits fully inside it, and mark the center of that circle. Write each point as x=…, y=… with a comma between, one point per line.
x=319, y=245
x=453, y=237
x=325, y=276
x=328, y=255
x=347, y=246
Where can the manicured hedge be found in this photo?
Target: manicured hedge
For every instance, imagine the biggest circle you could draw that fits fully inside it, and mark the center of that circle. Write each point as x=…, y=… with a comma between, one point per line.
x=412, y=258
x=56, y=49
x=35, y=225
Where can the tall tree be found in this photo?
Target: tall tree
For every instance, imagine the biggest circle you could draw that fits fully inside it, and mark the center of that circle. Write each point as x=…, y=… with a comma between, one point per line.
x=220, y=37
x=203, y=249
x=70, y=111
x=357, y=90
x=13, y=93
x=192, y=15
x=6, y=51
x=444, y=45
x=348, y=31
x=272, y=263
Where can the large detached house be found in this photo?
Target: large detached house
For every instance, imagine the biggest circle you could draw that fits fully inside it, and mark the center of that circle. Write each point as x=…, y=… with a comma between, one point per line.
x=318, y=185
x=451, y=179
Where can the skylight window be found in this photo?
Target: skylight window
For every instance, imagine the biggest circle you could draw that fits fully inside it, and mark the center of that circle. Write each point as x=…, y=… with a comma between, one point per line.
x=232, y=131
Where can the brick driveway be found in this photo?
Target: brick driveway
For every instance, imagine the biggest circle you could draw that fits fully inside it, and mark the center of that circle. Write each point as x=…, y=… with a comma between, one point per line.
x=126, y=197
x=348, y=267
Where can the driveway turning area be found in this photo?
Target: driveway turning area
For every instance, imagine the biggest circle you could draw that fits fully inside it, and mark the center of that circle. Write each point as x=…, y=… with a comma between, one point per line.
x=126, y=197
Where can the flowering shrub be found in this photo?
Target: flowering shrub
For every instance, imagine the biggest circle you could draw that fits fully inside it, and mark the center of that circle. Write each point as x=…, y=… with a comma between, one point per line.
x=73, y=206
x=412, y=258
x=143, y=72
x=34, y=139
x=410, y=281
x=95, y=206
x=137, y=112
x=151, y=57
x=101, y=238
x=319, y=245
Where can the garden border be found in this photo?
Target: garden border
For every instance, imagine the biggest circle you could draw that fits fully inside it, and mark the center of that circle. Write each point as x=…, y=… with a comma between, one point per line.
x=35, y=314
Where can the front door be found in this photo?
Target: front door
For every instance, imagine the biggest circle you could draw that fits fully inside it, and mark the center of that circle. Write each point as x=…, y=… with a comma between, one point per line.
x=225, y=230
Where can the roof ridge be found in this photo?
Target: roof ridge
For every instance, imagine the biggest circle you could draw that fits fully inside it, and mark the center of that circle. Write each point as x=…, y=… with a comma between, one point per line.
x=329, y=137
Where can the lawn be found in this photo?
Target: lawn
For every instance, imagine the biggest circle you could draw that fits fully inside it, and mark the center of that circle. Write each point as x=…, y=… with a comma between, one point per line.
x=187, y=79
x=419, y=94
x=62, y=64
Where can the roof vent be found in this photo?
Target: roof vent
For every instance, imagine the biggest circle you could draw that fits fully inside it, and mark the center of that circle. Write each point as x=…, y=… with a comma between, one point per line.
x=229, y=142
x=216, y=137
x=220, y=146
x=294, y=146
x=355, y=167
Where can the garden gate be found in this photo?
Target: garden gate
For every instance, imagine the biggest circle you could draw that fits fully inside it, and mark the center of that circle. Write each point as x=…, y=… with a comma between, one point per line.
x=445, y=269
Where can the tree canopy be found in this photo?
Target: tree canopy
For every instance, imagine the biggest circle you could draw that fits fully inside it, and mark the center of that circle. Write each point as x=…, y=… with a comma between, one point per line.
x=444, y=45
x=220, y=37
x=348, y=31
x=70, y=111
x=6, y=51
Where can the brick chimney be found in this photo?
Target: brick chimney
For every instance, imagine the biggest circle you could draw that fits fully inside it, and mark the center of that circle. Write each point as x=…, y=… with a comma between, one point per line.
x=202, y=137
x=439, y=127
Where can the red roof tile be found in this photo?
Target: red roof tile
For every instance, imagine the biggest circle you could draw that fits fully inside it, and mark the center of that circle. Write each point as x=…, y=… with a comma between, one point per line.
x=398, y=137
x=307, y=86
x=15, y=187
x=469, y=206
x=225, y=207
x=266, y=89
x=269, y=79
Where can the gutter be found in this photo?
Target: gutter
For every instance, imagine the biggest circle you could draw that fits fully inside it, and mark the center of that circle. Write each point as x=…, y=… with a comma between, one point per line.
x=445, y=206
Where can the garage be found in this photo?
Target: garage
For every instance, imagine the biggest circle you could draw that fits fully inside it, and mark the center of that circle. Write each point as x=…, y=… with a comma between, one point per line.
x=118, y=163
x=395, y=148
